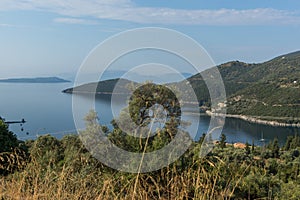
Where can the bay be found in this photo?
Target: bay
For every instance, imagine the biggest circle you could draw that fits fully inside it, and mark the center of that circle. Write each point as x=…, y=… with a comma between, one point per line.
x=49, y=111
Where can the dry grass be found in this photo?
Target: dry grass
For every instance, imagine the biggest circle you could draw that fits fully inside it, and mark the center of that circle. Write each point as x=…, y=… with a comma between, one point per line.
x=199, y=181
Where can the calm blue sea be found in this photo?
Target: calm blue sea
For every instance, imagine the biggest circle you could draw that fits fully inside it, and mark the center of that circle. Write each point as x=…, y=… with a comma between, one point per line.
x=47, y=110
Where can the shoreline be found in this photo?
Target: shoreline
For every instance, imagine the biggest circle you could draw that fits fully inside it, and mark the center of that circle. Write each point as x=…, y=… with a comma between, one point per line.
x=209, y=113
x=254, y=120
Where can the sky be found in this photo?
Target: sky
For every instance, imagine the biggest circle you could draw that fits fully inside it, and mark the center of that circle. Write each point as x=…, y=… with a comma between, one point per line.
x=53, y=37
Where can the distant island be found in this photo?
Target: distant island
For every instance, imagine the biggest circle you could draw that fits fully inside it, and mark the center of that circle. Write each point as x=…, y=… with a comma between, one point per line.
x=35, y=80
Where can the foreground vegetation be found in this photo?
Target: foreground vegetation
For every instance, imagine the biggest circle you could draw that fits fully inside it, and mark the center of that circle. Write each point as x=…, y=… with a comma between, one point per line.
x=48, y=168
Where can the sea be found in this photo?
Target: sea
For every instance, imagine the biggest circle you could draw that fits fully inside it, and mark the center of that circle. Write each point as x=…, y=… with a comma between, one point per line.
x=47, y=110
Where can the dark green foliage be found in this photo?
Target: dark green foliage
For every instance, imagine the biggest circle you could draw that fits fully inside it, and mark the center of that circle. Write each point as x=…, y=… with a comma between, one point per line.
x=275, y=148
x=247, y=148
x=288, y=142
x=150, y=95
x=13, y=153
x=256, y=185
x=47, y=151
x=292, y=142
x=150, y=105
x=8, y=140
x=222, y=143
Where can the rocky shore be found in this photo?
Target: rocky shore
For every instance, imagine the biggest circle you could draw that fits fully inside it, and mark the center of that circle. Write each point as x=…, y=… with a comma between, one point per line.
x=254, y=120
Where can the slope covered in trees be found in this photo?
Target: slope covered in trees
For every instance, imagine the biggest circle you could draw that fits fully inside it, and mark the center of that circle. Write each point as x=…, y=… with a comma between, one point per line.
x=275, y=91
x=268, y=90
x=239, y=77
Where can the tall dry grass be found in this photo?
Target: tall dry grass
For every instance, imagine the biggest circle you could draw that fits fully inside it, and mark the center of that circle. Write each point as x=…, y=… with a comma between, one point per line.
x=82, y=177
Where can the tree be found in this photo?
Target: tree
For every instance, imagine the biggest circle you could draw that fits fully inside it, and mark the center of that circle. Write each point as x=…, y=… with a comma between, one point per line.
x=292, y=142
x=150, y=105
x=222, y=141
x=275, y=148
x=150, y=96
x=47, y=151
x=295, y=142
x=247, y=148
x=8, y=140
x=252, y=146
x=288, y=142
x=12, y=152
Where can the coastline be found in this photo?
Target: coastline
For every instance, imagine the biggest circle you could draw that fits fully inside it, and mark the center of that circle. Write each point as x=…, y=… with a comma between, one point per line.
x=208, y=112
x=254, y=120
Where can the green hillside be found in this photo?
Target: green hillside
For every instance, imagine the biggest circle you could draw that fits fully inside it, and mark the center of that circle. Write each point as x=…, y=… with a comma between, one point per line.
x=233, y=76
x=275, y=91
x=268, y=90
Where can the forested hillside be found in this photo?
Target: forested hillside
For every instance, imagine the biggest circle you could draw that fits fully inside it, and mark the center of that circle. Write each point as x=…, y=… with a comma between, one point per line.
x=269, y=90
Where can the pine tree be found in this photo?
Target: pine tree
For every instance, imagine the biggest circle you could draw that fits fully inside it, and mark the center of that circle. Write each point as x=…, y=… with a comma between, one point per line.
x=252, y=147
x=275, y=148
x=295, y=142
x=288, y=142
x=247, y=148
x=222, y=141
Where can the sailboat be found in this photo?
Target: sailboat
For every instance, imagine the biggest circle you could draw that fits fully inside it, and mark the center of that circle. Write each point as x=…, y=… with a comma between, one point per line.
x=262, y=139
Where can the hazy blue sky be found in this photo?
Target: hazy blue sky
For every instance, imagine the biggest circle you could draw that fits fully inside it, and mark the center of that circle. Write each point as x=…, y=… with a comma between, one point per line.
x=52, y=37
